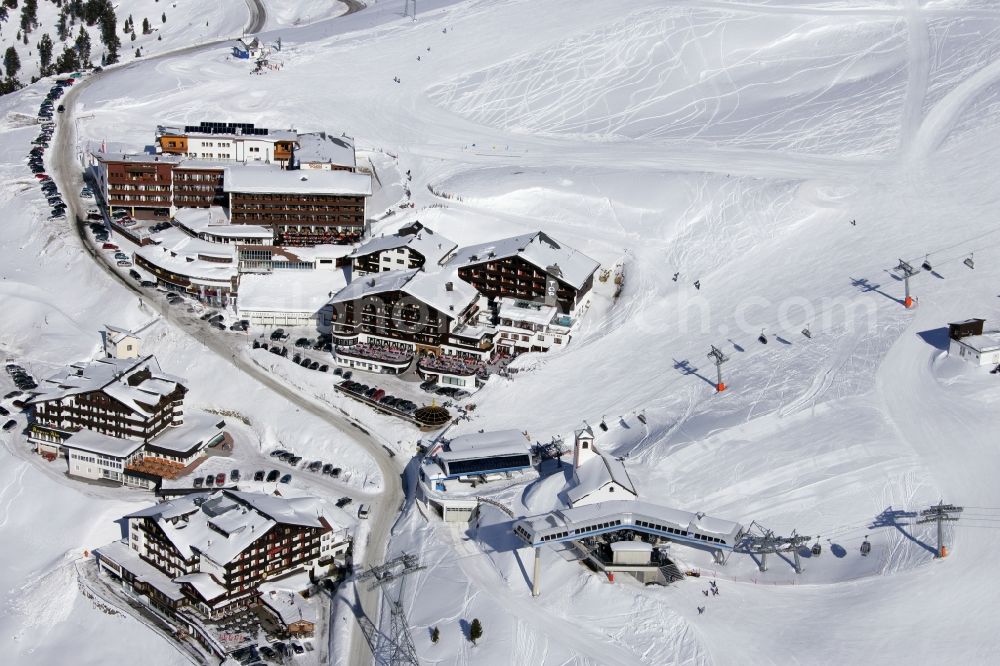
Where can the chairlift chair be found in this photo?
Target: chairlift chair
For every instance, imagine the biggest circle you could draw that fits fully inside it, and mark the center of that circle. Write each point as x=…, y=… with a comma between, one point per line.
x=642, y=418
x=604, y=425
x=927, y=264
x=969, y=262
x=806, y=332
x=816, y=549
x=762, y=339
x=866, y=547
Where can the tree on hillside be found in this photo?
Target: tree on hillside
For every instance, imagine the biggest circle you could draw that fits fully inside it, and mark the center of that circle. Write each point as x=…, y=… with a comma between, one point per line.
x=11, y=62
x=29, y=15
x=62, y=28
x=45, y=52
x=138, y=53
x=145, y=27
x=67, y=61
x=83, y=45
x=10, y=3
x=133, y=36
x=435, y=635
x=163, y=17
x=475, y=631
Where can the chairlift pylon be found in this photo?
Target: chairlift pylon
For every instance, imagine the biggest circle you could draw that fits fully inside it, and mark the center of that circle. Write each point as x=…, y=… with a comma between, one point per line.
x=927, y=263
x=969, y=262
x=762, y=339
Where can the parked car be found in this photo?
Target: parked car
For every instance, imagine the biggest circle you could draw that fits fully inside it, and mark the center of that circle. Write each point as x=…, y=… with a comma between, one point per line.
x=109, y=246
x=294, y=460
x=348, y=374
x=298, y=648
x=199, y=482
x=148, y=283
x=258, y=475
x=277, y=333
x=210, y=480
x=377, y=394
x=286, y=478
x=277, y=453
x=234, y=475
x=4, y=412
x=273, y=475
x=324, y=367
x=121, y=255
x=315, y=466
x=363, y=511
x=220, y=478
x=10, y=425
x=134, y=274
x=327, y=468
x=124, y=263
x=343, y=501
x=338, y=371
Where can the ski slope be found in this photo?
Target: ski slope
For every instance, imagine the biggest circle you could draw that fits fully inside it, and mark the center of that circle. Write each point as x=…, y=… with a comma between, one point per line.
x=730, y=142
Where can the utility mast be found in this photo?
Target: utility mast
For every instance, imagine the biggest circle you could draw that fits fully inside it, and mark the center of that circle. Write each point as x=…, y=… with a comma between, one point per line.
x=940, y=513
x=908, y=271
x=719, y=358
x=397, y=647
x=406, y=8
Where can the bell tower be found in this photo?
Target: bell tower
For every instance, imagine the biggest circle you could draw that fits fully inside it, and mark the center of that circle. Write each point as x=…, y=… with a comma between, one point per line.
x=583, y=446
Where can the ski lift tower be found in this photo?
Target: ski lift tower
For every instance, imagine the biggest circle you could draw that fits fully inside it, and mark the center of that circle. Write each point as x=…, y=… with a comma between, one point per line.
x=908, y=271
x=406, y=8
x=939, y=513
x=397, y=647
x=719, y=358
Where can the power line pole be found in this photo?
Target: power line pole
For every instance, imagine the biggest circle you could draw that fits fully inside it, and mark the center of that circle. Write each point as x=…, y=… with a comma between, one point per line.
x=406, y=8
x=908, y=271
x=397, y=647
x=719, y=358
x=940, y=513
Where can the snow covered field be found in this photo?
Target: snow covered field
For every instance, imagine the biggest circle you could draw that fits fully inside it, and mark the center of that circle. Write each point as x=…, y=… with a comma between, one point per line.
x=732, y=143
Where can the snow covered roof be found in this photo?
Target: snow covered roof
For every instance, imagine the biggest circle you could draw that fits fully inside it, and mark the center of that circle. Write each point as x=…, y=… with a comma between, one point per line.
x=198, y=429
x=482, y=445
x=106, y=445
x=597, y=473
x=213, y=221
x=119, y=553
x=322, y=148
x=629, y=512
x=527, y=311
x=429, y=288
x=206, y=586
x=631, y=546
x=115, y=377
x=986, y=342
x=431, y=246
x=271, y=178
x=538, y=248
x=289, y=291
x=116, y=334
x=140, y=158
x=179, y=253
x=286, y=604
x=223, y=524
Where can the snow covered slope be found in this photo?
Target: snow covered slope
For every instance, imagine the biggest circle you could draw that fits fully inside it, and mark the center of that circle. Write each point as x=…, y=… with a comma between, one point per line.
x=734, y=144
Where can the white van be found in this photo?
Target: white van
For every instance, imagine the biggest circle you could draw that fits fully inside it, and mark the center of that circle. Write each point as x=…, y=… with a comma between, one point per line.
x=363, y=511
